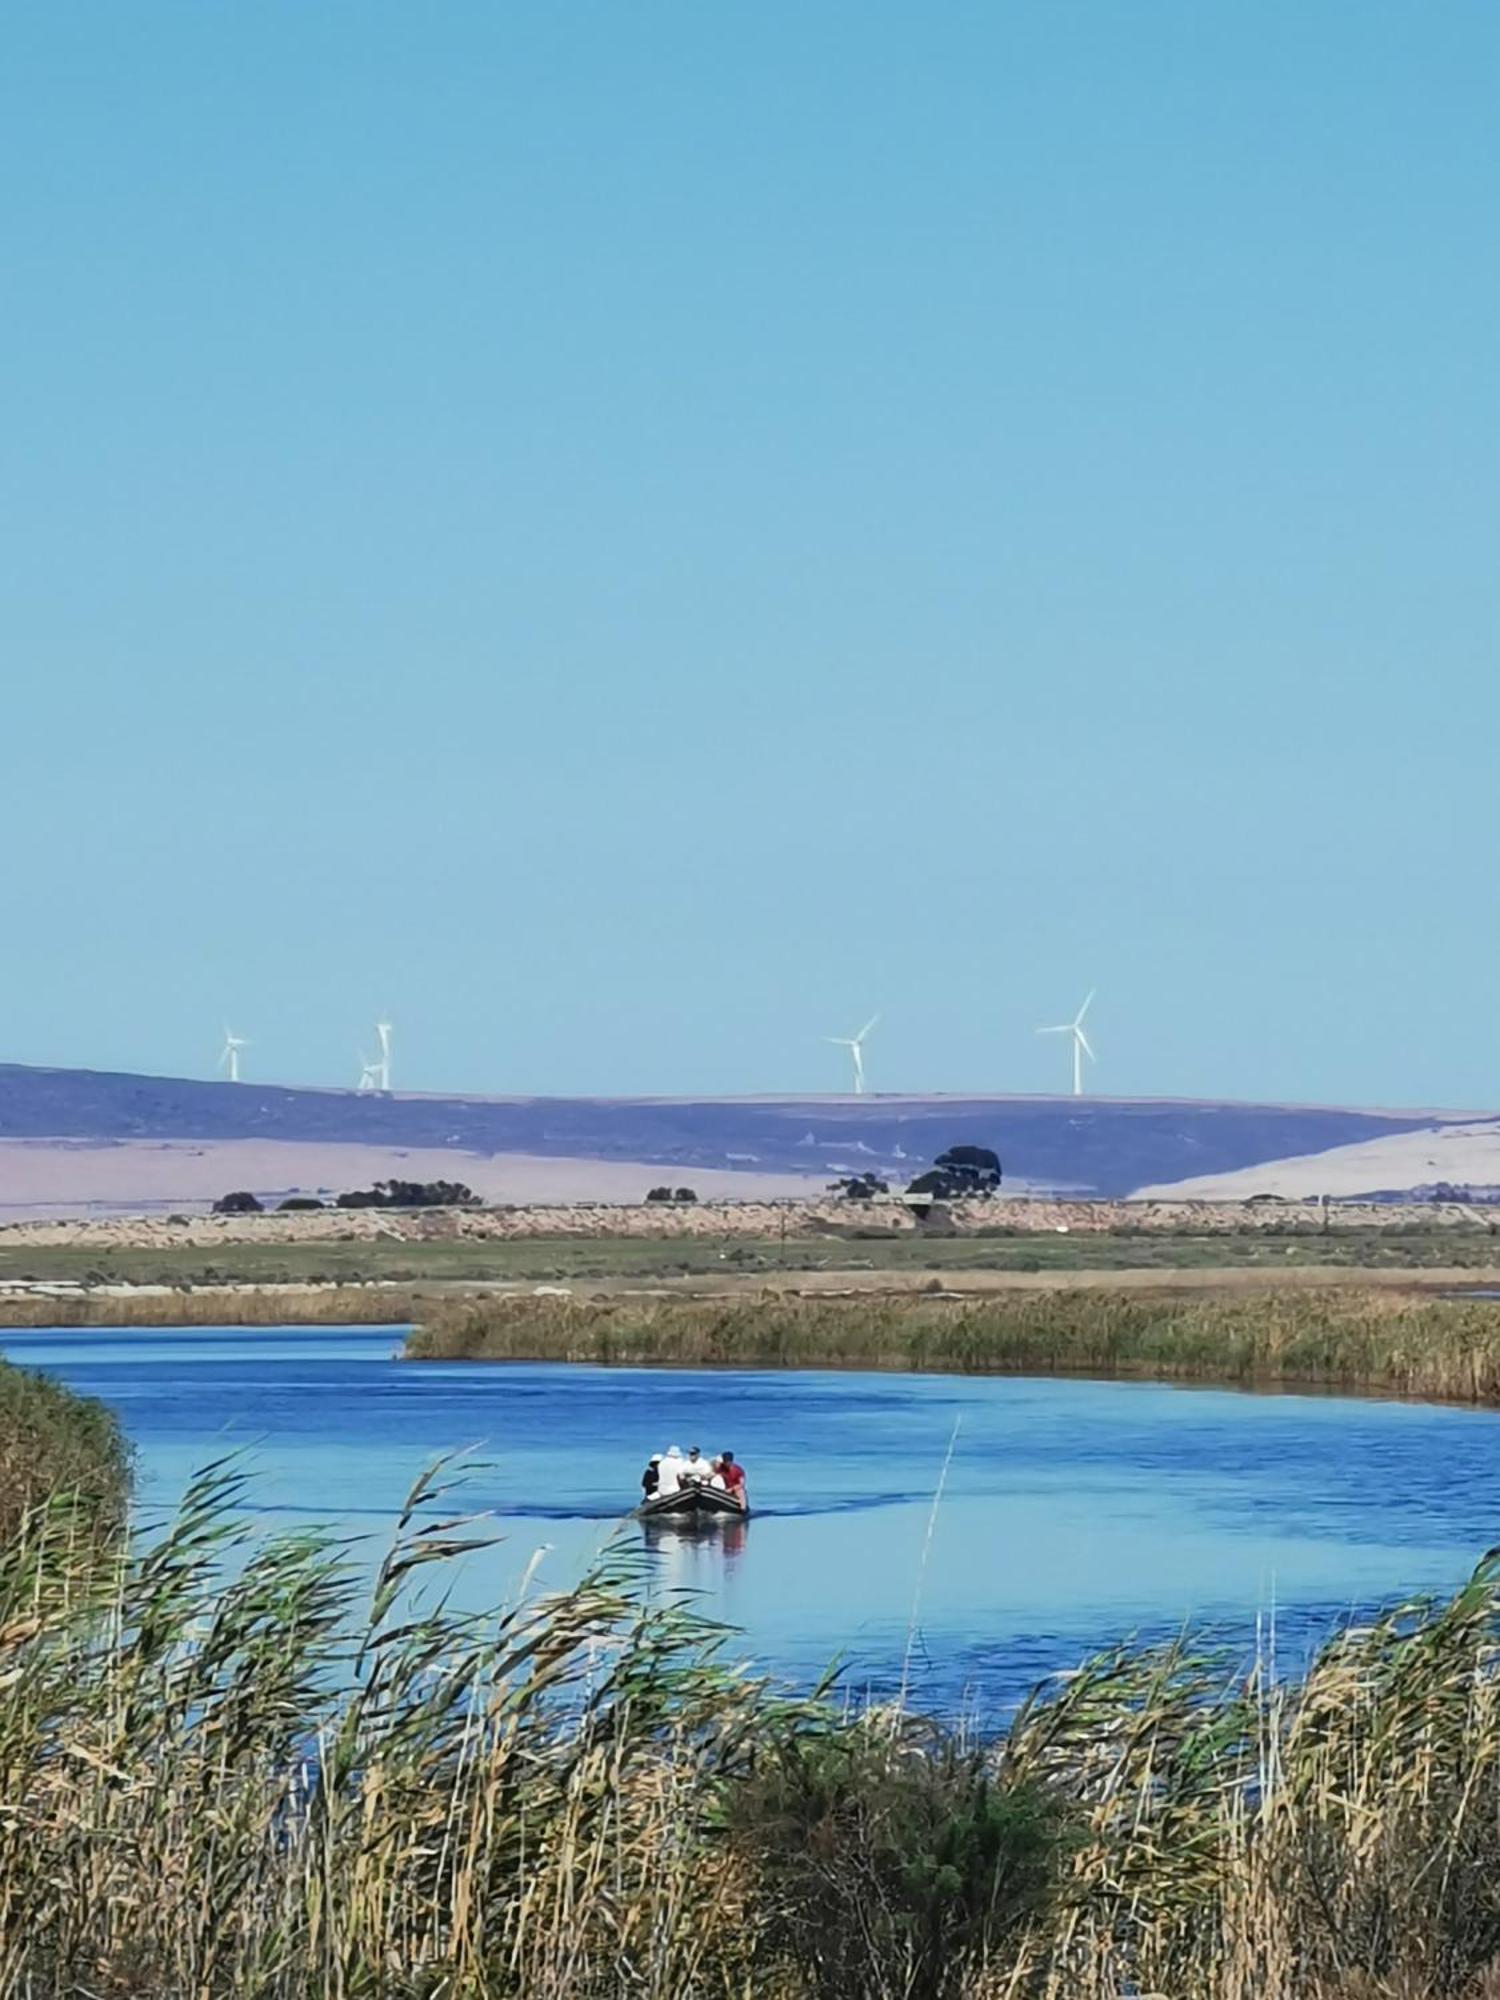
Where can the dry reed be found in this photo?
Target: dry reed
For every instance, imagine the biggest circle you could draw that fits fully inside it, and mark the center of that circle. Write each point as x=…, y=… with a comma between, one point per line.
x=234, y=1769
x=1421, y=1346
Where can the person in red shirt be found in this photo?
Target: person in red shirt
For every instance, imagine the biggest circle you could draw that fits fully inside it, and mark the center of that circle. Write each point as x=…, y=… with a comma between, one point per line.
x=733, y=1476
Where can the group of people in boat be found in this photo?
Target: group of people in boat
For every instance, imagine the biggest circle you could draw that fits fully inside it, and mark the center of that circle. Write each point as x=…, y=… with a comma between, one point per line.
x=671, y=1470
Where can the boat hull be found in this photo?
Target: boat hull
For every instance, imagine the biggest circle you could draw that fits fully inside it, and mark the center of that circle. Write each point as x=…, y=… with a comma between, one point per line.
x=692, y=1503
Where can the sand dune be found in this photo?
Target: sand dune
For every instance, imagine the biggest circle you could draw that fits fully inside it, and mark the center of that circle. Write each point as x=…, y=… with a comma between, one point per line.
x=1461, y=1154
x=40, y=1177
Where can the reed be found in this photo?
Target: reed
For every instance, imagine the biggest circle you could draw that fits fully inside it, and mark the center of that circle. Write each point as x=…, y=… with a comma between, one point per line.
x=213, y=1305
x=53, y=1442
x=235, y=1769
x=1435, y=1347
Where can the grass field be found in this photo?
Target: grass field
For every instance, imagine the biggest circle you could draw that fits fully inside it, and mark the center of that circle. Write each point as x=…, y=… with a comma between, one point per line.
x=564, y=1260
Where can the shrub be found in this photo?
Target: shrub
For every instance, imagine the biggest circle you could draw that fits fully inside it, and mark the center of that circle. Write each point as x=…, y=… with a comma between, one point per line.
x=859, y=1187
x=411, y=1194
x=242, y=1202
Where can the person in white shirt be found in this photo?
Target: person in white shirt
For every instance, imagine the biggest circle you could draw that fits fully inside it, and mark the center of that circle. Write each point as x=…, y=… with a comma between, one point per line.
x=697, y=1467
x=669, y=1472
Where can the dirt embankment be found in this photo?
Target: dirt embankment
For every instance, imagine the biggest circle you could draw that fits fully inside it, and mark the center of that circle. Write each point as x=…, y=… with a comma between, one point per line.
x=764, y=1221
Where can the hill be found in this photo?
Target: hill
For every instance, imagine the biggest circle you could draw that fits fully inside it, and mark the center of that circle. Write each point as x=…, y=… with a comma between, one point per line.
x=88, y=1138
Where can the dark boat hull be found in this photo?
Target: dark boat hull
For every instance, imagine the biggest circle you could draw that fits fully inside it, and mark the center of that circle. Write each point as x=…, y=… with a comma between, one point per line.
x=692, y=1503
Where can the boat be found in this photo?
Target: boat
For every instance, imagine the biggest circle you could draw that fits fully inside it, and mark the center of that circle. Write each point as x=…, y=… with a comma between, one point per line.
x=694, y=1500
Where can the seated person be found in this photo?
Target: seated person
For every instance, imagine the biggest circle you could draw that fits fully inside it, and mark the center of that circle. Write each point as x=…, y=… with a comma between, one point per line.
x=697, y=1468
x=733, y=1475
x=651, y=1477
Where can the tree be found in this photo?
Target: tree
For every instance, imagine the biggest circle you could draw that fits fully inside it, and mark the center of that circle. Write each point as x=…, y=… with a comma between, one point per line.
x=975, y=1165
x=963, y=1173
x=859, y=1187
x=411, y=1194
x=296, y=1203
x=241, y=1202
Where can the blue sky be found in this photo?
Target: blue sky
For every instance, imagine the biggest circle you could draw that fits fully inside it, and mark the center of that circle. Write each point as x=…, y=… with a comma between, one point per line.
x=635, y=536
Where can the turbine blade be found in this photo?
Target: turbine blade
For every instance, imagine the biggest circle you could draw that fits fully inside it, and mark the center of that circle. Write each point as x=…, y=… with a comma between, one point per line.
x=1085, y=1044
x=1078, y=1017
x=874, y=1021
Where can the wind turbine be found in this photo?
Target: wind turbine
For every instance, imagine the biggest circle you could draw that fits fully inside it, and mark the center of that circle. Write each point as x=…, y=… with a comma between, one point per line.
x=229, y=1058
x=369, y=1073
x=1081, y=1047
x=855, y=1045
x=383, y=1029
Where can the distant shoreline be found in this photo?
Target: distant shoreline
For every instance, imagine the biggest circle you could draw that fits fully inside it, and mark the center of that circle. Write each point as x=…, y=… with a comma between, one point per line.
x=1343, y=1331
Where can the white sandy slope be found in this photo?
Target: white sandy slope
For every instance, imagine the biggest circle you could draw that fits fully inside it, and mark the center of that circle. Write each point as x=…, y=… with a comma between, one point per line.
x=1462, y=1154
x=41, y=1177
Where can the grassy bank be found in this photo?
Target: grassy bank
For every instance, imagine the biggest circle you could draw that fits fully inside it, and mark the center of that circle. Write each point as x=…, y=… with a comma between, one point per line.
x=1352, y=1339
x=57, y=1445
x=255, y=1778
x=213, y=1305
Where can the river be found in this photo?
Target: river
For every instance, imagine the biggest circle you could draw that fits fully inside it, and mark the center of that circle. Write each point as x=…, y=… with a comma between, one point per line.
x=1073, y=1514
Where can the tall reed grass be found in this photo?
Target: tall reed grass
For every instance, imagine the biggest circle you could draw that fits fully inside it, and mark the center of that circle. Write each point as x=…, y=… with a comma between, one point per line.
x=53, y=1442
x=213, y=1305
x=1351, y=1339
x=236, y=1769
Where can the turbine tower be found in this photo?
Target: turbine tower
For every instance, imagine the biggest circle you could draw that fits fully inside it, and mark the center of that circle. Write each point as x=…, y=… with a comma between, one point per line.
x=229, y=1058
x=855, y=1044
x=1081, y=1046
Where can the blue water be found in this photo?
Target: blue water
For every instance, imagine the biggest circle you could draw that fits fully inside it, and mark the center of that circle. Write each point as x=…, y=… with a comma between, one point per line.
x=1073, y=1513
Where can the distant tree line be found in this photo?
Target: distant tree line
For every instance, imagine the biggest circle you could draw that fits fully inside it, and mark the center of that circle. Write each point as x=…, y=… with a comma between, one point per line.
x=384, y=1194
x=963, y=1173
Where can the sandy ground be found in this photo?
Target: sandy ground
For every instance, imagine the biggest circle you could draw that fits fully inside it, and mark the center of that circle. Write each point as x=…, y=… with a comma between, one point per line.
x=58, y=1177
x=1466, y=1155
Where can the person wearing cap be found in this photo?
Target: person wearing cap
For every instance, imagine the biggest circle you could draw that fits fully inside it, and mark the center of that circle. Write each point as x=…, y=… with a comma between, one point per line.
x=651, y=1477
x=697, y=1467
x=669, y=1472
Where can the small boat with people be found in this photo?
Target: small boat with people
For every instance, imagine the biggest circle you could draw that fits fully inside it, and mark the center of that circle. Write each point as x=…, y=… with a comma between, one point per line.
x=687, y=1487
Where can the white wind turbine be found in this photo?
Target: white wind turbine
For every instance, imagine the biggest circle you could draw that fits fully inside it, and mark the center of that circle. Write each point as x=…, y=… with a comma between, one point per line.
x=1081, y=1046
x=855, y=1044
x=369, y=1073
x=383, y=1029
x=229, y=1058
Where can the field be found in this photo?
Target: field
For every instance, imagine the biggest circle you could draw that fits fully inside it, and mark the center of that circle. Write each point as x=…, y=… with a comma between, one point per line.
x=636, y=1258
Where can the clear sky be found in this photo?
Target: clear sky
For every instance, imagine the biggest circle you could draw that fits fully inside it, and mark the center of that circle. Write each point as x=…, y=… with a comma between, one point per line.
x=634, y=536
